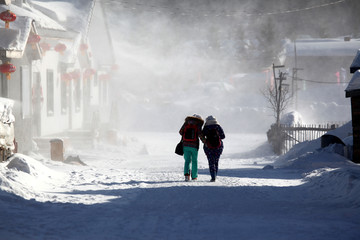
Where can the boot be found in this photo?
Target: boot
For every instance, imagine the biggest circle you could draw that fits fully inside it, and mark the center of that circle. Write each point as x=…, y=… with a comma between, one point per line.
x=213, y=176
x=187, y=177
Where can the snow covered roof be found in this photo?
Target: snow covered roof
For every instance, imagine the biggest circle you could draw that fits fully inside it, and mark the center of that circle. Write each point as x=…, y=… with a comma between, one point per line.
x=74, y=15
x=341, y=132
x=40, y=19
x=323, y=47
x=353, y=89
x=13, y=40
x=356, y=63
x=100, y=39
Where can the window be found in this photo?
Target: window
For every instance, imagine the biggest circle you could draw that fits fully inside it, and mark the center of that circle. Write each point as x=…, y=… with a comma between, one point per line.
x=4, y=86
x=37, y=100
x=50, y=92
x=77, y=95
x=64, y=96
x=25, y=91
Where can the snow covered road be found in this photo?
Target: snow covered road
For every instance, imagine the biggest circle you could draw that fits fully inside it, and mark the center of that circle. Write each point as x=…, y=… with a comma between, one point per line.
x=136, y=191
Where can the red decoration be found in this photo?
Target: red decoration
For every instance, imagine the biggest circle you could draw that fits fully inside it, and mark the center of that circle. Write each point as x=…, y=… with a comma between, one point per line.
x=104, y=77
x=83, y=47
x=75, y=74
x=65, y=77
x=60, y=47
x=7, y=16
x=7, y=68
x=34, y=38
x=45, y=47
x=88, y=73
x=115, y=67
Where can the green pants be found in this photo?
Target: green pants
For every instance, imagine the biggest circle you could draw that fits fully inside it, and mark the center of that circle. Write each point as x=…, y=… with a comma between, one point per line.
x=191, y=155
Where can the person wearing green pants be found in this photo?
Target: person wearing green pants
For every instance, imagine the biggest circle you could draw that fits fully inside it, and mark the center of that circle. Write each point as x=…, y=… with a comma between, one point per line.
x=191, y=133
x=190, y=156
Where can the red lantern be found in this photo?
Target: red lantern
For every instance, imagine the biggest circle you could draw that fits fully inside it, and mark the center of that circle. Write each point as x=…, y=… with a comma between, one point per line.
x=45, y=47
x=7, y=68
x=65, y=77
x=83, y=48
x=104, y=77
x=88, y=73
x=60, y=47
x=115, y=67
x=7, y=16
x=33, y=39
x=75, y=75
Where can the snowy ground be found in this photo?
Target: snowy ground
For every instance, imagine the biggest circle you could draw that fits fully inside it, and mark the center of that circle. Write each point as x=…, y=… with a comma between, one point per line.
x=135, y=190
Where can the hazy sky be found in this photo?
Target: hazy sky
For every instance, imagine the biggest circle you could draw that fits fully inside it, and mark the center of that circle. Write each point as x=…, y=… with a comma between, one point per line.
x=166, y=48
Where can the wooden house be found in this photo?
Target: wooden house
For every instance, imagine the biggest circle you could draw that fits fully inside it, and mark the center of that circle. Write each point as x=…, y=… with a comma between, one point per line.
x=353, y=92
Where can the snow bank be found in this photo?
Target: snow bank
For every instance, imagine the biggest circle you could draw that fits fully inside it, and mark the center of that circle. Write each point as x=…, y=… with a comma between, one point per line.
x=309, y=154
x=342, y=184
x=292, y=118
x=26, y=177
x=327, y=174
x=324, y=158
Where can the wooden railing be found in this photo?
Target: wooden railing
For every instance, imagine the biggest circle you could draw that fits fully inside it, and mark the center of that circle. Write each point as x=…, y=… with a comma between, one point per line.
x=284, y=137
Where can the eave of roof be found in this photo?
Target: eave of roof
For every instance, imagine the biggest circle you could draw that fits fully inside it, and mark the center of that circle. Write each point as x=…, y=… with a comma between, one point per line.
x=323, y=47
x=13, y=40
x=353, y=88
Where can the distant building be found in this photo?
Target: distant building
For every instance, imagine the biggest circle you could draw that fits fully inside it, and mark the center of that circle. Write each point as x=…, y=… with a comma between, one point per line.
x=320, y=60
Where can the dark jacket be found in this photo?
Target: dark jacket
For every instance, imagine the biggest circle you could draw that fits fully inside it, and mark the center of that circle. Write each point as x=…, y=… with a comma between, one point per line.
x=193, y=144
x=219, y=129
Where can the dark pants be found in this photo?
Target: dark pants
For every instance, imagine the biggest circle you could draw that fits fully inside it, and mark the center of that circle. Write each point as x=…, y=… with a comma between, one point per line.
x=213, y=156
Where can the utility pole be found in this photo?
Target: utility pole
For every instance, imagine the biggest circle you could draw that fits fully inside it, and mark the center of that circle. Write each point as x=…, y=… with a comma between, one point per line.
x=278, y=99
x=278, y=92
x=294, y=86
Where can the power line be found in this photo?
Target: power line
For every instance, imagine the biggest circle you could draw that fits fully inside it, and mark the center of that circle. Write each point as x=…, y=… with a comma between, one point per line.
x=190, y=12
x=313, y=81
x=303, y=9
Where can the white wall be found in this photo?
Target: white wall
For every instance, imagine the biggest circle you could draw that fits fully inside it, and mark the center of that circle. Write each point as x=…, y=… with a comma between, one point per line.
x=57, y=121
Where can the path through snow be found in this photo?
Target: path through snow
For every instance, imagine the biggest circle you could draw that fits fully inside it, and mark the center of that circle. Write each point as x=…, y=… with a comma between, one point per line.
x=136, y=191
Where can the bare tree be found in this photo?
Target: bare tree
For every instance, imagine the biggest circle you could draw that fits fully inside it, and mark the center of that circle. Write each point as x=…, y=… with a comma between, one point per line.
x=278, y=95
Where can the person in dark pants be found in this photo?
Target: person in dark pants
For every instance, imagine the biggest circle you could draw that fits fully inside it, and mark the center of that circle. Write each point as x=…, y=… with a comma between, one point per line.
x=213, y=146
x=191, y=132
